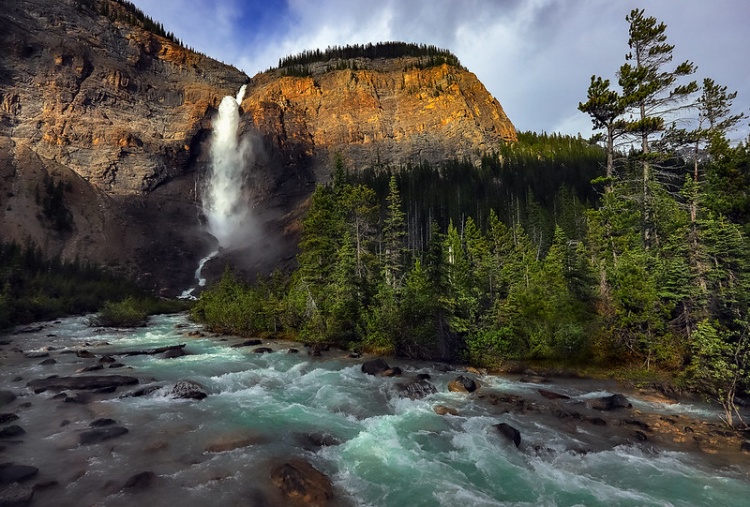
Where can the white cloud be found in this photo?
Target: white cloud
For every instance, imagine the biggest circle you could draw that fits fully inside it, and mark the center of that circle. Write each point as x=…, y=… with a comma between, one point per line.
x=534, y=56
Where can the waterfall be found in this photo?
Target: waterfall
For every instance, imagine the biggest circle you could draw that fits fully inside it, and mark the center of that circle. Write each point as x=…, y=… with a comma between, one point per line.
x=228, y=217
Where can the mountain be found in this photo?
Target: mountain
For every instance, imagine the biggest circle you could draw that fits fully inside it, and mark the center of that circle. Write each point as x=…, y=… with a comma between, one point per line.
x=105, y=125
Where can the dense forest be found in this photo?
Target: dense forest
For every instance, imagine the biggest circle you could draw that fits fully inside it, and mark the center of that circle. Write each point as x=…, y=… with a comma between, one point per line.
x=629, y=250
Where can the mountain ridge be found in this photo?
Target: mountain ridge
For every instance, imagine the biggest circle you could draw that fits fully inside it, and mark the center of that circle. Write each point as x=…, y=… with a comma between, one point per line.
x=120, y=117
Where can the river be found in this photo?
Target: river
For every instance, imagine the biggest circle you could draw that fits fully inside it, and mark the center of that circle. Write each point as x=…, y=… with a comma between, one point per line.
x=378, y=448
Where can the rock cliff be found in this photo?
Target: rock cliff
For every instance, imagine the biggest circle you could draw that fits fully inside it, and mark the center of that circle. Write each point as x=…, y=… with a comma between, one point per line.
x=105, y=129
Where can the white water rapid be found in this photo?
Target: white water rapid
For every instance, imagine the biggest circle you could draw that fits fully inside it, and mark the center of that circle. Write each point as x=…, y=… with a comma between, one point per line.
x=379, y=448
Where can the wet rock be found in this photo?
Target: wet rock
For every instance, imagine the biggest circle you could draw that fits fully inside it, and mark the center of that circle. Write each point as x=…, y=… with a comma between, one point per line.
x=28, y=329
x=607, y=403
x=173, y=353
x=140, y=481
x=10, y=473
x=16, y=495
x=299, y=481
x=144, y=391
x=101, y=422
x=101, y=434
x=394, y=371
x=17, y=379
x=48, y=362
x=534, y=379
x=596, y=421
x=314, y=441
x=107, y=360
x=85, y=354
x=65, y=422
x=375, y=366
x=354, y=355
x=187, y=389
x=80, y=398
x=509, y=432
x=463, y=384
x=8, y=417
x=152, y=352
x=444, y=410
x=475, y=371
x=46, y=485
x=116, y=365
x=231, y=442
x=7, y=397
x=12, y=431
x=551, y=395
x=416, y=389
x=263, y=350
x=95, y=367
x=248, y=343
x=745, y=447
x=635, y=422
x=292, y=351
x=36, y=355
x=106, y=390
x=640, y=436
x=81, y=383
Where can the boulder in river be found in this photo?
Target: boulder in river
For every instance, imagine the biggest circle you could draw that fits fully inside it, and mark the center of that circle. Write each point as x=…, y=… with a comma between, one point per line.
x=254, y=342
x=612, y=402
x=444, y=410
x=84, y=382
x=139, y=482
x=415, y=389
x=301, y=482
x=12, y=431
x=187, y=389
x=551, y=395
x=8, y=417
x=7, y=397
x=509, y=432
x=263, y=350
x=463, y=384
x=16, y=495
x=101, y=434
x=375, y=366
x=10, y=473
x=173, y=353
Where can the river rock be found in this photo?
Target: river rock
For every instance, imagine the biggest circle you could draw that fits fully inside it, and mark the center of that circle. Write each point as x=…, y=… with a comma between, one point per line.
x=444, y=410
x=12, y=431
x=187, y=389
x=16, y=495
x=248, y=343
x=141, y=481
x=86, y=369
x=85, y=354
x=462, y=384
x=8, y=417
x=375, y=366
x=36, y=355
x=10, y=473
x=82, y=383
x=47, y=362
x=607, y=403
x=551, y=395
x=101, y=434
x=299, y=481
x=101, y=422
x=314, y=441
x=509, y=432
x=107, y=360
x=7, y=397
x=416, y=389
x=173, y=353
x=263, y=350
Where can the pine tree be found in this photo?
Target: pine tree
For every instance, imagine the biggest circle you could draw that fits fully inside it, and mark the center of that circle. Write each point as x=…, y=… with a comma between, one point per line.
x=394, y=234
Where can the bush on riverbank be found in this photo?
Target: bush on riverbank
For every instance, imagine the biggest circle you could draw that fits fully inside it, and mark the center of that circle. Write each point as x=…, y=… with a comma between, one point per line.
x=134, y=312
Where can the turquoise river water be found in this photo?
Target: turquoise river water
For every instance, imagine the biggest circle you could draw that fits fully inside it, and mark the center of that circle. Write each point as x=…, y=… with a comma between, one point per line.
x=383, y=449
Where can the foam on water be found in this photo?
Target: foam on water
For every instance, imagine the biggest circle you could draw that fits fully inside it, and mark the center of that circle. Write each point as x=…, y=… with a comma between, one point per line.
x=392, y=451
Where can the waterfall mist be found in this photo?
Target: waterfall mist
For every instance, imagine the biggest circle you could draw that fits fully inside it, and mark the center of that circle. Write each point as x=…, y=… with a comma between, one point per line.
x=228, y=214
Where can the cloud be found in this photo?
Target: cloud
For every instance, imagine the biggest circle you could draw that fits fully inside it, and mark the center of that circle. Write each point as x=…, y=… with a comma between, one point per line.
x=534, y=56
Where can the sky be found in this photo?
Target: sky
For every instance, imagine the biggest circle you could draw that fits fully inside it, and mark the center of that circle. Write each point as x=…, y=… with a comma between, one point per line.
x=534, y=56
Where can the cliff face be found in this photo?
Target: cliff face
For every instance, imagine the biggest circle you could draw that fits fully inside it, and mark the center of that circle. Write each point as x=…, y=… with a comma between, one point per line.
x=391, y=112
x=105, y=128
